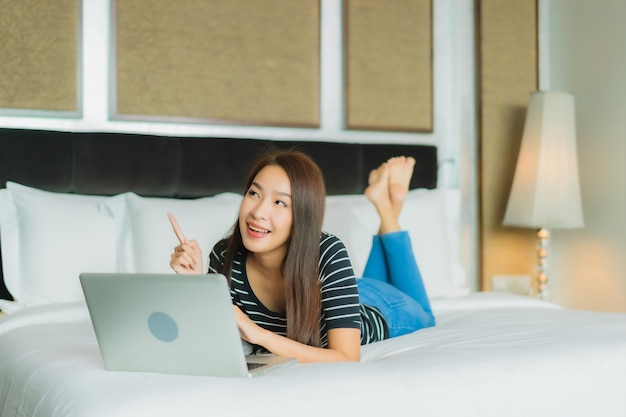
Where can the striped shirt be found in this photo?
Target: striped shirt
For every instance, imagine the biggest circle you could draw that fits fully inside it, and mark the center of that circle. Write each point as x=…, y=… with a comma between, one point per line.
x=339, y=294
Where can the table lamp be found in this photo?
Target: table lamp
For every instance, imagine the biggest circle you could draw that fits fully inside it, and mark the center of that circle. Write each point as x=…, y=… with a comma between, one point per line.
x=545, y=193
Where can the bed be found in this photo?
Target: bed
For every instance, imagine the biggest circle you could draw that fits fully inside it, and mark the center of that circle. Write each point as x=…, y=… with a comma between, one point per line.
x=73, y=202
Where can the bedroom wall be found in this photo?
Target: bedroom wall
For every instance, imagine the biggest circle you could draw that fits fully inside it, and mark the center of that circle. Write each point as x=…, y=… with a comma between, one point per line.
x=576, y=46
x=587, y=268
x=453, y=124
x=152, y=62
x=586, y=56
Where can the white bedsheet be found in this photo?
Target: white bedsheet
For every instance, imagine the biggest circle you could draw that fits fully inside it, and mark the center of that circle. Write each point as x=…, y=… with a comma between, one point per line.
x=489, y=355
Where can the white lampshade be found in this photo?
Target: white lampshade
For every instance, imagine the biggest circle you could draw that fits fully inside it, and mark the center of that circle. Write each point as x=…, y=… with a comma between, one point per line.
x=546, y=191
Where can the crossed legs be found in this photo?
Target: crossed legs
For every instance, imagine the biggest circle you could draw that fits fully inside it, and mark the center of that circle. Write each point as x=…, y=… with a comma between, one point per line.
x=399, y=293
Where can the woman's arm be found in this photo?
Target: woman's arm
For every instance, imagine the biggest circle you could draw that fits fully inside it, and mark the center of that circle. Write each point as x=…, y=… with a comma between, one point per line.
x=343, y=344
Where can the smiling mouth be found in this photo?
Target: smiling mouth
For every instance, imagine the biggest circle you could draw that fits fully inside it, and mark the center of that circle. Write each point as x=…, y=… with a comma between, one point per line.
x=257, y=230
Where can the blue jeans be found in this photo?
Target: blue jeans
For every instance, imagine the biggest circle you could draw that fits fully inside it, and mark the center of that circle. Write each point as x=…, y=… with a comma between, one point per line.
x=393, y=284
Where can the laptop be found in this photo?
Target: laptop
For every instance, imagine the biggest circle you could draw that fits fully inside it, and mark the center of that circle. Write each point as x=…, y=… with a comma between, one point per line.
x=168, y=323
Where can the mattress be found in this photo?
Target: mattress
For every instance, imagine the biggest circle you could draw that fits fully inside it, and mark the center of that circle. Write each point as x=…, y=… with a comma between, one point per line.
x=490, y=354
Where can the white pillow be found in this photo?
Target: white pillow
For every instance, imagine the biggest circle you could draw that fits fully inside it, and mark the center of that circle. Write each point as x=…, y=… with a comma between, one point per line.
x=145, y=236
x=48, y=239
x=432, y=222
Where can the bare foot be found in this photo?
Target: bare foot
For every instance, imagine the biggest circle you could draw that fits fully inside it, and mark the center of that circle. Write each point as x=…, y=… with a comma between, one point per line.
x=400, y=173
x=378, y=193
x=378, y=188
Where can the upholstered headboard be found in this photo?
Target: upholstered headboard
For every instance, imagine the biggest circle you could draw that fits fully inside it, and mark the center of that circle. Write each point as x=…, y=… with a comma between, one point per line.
x=180, y=167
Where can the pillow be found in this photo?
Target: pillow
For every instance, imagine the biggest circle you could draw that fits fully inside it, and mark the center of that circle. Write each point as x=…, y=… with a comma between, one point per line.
x=48, y=239
x=145, y=236
x=430, y=216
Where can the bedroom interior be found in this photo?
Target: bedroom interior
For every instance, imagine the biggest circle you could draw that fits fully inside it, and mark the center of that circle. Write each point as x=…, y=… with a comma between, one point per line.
x=487, y=114
x=104, y=124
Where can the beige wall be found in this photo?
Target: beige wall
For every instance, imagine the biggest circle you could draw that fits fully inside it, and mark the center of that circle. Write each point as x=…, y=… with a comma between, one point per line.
x=587, y=57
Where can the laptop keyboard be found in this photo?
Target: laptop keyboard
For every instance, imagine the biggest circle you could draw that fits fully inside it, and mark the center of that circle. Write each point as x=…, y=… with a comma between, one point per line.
x=254, y=365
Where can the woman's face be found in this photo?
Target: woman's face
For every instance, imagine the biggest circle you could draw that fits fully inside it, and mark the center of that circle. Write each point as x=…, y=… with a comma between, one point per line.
x=266, y=215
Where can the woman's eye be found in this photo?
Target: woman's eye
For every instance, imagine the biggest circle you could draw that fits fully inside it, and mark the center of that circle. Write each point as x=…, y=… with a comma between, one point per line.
x=281, y=203
x=253, y=193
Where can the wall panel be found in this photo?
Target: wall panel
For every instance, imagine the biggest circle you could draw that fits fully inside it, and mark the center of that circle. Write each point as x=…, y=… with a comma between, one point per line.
x=388, y=65
x=219, y=60
x=508, y=73
x=39, y=55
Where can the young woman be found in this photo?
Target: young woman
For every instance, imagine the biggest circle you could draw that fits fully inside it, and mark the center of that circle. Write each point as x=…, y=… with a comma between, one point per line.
x=293, y=288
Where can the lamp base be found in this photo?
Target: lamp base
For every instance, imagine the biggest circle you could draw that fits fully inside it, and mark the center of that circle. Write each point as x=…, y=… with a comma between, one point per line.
x=543, y=237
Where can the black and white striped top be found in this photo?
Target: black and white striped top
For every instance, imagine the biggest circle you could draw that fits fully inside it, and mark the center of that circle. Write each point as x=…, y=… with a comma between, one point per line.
x=340, y=298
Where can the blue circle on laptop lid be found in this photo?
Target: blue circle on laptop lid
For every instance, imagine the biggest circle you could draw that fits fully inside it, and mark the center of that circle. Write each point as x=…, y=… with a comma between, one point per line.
x=163, y=326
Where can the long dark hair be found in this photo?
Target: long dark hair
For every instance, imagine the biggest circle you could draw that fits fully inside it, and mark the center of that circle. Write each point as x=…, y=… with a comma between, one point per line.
x=300, y=268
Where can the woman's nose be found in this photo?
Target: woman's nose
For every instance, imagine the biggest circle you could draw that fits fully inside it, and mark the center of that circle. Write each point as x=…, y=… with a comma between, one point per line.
x=261, y=209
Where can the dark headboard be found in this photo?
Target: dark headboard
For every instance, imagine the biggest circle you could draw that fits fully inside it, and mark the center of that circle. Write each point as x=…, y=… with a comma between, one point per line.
x=180, y=167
